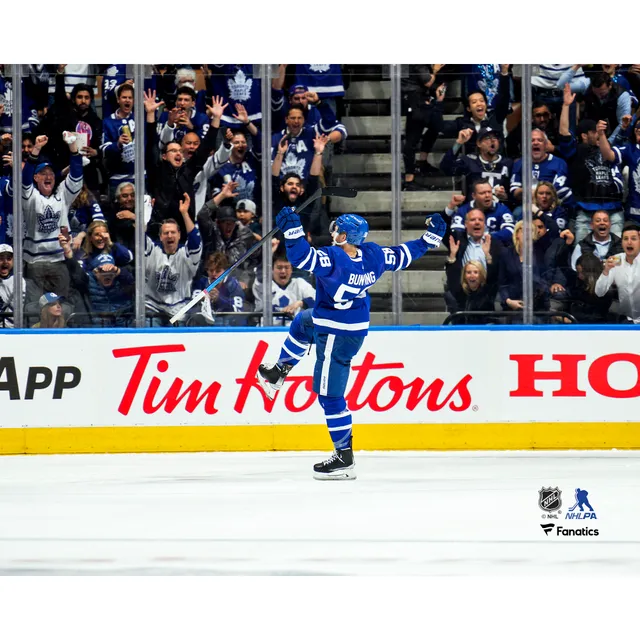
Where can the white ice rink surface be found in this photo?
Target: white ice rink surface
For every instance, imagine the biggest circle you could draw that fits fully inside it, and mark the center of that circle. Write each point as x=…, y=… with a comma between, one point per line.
x=263, y=514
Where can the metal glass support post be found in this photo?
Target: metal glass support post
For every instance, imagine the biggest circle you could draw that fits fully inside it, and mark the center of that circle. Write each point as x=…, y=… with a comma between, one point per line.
x=527, y=197
x=395, y=72
x=266, y=73
x=16, y=176
x=139, y=119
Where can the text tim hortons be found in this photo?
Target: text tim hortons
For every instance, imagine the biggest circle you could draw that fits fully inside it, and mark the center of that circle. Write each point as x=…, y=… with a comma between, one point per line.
x=297, y=395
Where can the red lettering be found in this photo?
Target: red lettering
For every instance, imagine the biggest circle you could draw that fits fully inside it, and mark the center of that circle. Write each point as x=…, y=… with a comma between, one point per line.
x=567, y=376
x=173, y=397
x=395, y=386
x=362, y=371
x=599, y=375
x=144, y=355
x=250, y=381
x=306, y=382
x=434, y=390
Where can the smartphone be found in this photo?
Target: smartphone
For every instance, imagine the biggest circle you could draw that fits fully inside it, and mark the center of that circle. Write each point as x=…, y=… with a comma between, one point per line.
x=65, y=232
x=444, y=88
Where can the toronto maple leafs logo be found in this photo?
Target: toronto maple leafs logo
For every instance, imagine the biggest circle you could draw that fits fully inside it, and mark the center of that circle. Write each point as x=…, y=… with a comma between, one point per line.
x=598, y=170
x=293, y=164
x=244, y=188
x=48, y=220
x=166, y=280
x=7, y=99
x=240, y=87
x=636, y=178
x=319, y=68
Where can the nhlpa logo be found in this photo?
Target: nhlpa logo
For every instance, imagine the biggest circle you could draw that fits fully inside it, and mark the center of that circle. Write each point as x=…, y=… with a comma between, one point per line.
x=549, y=500
x=293, y=164
x=319, y=68
x=240, y=87
x=581, y=502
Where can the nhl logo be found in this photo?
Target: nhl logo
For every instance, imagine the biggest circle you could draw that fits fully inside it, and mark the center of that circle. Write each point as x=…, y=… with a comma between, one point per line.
x=549, y=499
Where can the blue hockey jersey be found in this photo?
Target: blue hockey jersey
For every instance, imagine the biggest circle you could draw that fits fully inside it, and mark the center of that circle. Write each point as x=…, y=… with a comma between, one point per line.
x=629, y=155
x=119, y=161
x=552, y=169
x=199, y=121
x=324, y=79
x=498, y=220
x=234, y=82
x=30, y=118
x=322, y=116
x=474, y=167
x=342, y=300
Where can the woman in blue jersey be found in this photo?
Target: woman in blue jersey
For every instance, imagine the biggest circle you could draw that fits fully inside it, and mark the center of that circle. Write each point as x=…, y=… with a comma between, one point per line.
x=339, y=321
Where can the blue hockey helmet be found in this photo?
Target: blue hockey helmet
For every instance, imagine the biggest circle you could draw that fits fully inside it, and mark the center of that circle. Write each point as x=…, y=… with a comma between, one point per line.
x=355, y=227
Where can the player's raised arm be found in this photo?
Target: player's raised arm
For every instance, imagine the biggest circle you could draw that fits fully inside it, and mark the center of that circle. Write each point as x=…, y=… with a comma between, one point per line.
x=300, y=253
x=400, y=257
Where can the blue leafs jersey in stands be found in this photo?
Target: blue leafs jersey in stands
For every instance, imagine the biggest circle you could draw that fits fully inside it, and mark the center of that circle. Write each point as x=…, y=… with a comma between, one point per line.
x=552, y=169
x=342, y=283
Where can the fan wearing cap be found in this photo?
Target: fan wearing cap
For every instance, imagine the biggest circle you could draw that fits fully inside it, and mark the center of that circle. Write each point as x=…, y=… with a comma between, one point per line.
x=246, y=213
x=597, y=183
x=486, y=162
x=317, y=105
x=221, y=231
x=51, y=313
x=626, y=154
x=45, y=211
x=7, y=283
x=108, y=288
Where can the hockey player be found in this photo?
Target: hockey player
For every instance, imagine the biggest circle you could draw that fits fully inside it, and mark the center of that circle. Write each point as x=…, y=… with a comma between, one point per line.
x=339, y=321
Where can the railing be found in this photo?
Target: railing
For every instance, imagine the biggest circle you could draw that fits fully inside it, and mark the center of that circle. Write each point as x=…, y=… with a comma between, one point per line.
x=497, y=315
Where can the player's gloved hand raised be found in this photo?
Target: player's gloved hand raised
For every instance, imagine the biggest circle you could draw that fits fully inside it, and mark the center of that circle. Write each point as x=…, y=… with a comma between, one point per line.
x=436, y=228
x=289, y=223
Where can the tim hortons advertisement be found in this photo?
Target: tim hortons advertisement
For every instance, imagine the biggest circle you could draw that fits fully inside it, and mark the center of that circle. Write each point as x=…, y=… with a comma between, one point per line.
x=410, y=377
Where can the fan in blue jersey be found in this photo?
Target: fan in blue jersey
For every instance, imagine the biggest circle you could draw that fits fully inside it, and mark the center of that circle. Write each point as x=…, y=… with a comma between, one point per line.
x=183, y=118
x=339, y=320
x=118, y=133
x=300, y=137
x=29, y=114
x=485, y=163
x=316, y=111
x=236, y=85
x=545, y=167
x=628, y=155
x=499, y=219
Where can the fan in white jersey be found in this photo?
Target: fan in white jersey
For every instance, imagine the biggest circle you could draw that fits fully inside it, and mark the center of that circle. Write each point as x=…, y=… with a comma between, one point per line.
x=170, y=266
x=7, y=281
x=45, y=211
x=288, y=295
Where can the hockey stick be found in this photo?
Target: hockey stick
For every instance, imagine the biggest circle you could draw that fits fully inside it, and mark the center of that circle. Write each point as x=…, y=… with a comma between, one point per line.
x=339, y=192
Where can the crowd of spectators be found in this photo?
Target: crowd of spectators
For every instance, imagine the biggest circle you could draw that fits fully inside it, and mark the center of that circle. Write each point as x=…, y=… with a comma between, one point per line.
x=585, y=154
x=202, y=145
x=203, y=151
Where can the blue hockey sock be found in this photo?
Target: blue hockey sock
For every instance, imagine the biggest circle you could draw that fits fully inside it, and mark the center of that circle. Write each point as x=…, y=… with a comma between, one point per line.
x=338, y=419
x=295, y=345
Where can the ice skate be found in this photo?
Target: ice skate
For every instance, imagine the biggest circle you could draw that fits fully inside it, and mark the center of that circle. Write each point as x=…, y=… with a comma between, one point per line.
x=271, y=377
x=340, y=466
